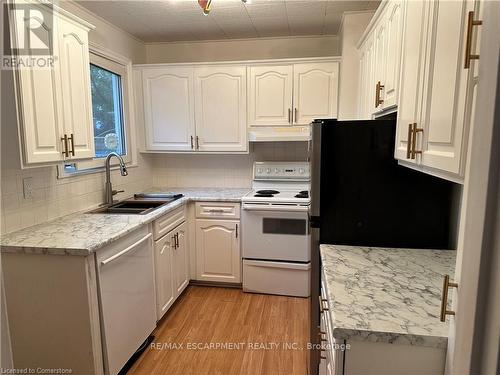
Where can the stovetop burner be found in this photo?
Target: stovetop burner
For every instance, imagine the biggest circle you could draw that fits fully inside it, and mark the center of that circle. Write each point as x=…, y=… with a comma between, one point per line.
x=303, y=194
x=264, y=195
x=267, y=192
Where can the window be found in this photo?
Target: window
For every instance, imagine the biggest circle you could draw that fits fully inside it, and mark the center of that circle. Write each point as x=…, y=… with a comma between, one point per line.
x=107, y=111
x=111, y=111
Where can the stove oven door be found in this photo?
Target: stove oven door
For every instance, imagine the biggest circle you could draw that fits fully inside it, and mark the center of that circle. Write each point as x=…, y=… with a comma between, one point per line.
x=276, y=233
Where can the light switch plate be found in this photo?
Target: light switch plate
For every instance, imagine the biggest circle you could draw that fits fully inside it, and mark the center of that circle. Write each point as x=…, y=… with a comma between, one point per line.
x=28, y=187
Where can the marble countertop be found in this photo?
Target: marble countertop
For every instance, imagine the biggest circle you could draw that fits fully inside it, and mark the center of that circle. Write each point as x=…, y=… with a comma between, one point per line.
x=83, y=233
x=386, y=295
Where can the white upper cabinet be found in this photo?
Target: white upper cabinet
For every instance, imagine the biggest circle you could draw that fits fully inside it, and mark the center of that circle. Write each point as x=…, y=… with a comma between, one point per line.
x=39, y=99
x=315, y=88
x=445, y=88
x=75, y=66
x=54, y=104
x=393, y=25
x=380, y=51
x=434, y=88
x=412, y=66
x=169, y=108
x=209, y=107
x=270, y=95
x=220, y=108
x=366, y=80
x=292, y=94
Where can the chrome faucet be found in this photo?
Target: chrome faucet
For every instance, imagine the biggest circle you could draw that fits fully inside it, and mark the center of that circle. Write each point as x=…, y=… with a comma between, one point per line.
x=109, y=188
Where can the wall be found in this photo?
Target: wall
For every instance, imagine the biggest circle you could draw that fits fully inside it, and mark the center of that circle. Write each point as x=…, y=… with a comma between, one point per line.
x=53, y=197
x=242, y=49
x=353, y=26
x=232, y=171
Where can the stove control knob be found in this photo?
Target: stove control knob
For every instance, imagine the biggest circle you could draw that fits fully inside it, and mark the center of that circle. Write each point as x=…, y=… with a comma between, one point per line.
x=259, y=170
x=301, y=170
x=268, y=170
x=276, y=170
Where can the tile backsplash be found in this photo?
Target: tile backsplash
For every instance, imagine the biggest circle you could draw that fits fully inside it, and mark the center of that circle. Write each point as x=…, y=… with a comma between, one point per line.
x=53, y=197
x=232, y=171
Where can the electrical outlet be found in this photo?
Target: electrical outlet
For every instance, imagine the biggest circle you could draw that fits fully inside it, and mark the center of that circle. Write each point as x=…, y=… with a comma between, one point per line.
x=28, y=187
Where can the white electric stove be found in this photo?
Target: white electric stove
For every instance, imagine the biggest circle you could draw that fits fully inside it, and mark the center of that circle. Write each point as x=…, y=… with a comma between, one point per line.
x=275, y=235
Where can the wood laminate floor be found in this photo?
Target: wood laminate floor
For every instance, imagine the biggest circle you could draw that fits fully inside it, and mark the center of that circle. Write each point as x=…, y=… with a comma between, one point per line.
x=204, y=317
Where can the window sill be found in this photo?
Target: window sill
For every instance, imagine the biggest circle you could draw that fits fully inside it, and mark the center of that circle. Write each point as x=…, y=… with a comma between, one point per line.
x=62, y=174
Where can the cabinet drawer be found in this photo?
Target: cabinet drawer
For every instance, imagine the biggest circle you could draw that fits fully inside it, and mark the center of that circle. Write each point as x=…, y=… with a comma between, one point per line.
x=218, y=210
x=169, y=221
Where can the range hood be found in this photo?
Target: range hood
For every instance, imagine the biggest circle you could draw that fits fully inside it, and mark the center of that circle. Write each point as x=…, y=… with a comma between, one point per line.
x=280, y=134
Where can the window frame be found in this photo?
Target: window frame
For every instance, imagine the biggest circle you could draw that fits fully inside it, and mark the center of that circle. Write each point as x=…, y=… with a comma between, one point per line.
x=115, y=63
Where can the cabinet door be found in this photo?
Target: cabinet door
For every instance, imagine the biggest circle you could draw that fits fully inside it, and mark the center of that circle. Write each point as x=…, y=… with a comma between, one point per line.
x=169, y=109
x=367, y=93
x=412, y=68
x=363, y=84
x=315, y=91
x=393, y=24
x=444, y=117
x=165, y=293
x=218, y=251
x=38, y=94
x=270, y=101
x=180, y=260
x=75, y=78
x=220, y=107
x=380, y=60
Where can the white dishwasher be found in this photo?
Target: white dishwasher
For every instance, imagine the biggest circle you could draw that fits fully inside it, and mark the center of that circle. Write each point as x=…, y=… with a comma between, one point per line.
x=127, y=296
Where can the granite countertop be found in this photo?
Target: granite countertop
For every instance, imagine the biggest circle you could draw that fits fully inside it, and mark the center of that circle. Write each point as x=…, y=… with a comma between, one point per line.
x=83, y=233
x=386, y=295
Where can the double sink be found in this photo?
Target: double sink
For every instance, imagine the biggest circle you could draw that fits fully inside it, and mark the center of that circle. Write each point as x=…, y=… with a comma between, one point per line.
x=140, y=204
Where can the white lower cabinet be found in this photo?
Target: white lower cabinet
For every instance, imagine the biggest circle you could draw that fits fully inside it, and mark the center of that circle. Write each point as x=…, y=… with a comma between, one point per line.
x=218, y=253
x=180, y=260
x=163, y=273
x=171, y=260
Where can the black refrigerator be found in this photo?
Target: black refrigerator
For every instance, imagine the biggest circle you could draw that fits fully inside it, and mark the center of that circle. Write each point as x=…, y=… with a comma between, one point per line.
x=361, y=196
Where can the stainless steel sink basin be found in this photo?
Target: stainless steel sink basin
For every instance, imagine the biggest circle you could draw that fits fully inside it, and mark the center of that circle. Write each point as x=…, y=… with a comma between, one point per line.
x=135, y=206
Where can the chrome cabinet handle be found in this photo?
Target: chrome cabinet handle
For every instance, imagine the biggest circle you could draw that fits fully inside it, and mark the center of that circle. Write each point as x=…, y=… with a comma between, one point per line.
x=295, y=112
x=289, y=115
x=197, y=143
x=236, y=230
x=215, y=210
x=192, y=143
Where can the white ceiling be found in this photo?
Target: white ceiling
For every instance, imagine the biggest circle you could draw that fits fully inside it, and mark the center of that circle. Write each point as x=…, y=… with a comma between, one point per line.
x=183, y=20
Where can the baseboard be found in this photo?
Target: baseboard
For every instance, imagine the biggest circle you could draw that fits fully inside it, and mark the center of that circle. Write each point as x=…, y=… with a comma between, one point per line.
x=216, y=284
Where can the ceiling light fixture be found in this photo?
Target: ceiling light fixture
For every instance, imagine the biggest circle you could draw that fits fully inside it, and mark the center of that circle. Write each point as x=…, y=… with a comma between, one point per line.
x=205, y=5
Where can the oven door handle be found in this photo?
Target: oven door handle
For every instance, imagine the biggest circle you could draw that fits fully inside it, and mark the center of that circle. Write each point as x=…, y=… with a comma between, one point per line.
x=275, y=207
